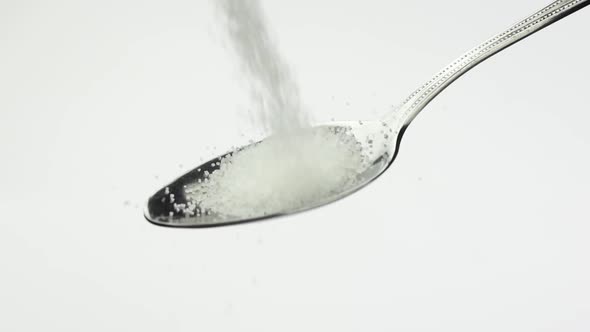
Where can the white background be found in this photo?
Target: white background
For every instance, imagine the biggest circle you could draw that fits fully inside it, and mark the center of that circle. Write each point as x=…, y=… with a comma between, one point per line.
x=482, y=223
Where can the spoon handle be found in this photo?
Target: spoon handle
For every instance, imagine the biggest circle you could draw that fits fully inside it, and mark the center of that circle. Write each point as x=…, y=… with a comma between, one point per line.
x=539, y=20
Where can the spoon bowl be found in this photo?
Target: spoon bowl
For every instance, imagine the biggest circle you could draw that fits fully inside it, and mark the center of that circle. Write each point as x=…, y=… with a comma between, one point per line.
x=169, y=205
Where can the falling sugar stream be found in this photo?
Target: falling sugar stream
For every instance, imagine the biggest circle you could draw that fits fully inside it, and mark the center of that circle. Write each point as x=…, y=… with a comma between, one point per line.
x=278, y=107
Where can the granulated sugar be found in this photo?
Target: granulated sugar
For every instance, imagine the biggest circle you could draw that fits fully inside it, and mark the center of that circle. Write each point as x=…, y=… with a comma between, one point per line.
x=297, y=166
x=281, y=173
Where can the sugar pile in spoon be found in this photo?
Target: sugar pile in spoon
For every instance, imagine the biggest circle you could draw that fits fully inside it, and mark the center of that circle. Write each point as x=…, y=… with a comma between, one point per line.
x=296, y=166
x=282, y=173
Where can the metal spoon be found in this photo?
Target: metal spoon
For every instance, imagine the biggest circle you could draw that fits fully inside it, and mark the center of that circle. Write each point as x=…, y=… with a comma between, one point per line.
x=162, y=208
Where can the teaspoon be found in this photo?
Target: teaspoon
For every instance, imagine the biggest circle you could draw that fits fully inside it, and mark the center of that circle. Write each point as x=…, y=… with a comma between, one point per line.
x=162, y=207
